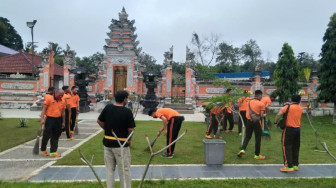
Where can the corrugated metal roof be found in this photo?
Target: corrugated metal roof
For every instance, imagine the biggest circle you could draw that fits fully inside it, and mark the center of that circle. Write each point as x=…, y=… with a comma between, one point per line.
x=6, y=50
x=240, y=74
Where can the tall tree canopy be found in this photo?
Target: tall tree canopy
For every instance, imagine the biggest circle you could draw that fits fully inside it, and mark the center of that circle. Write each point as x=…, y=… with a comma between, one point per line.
x=149, y=62
x=206, y=49
x=91, y=62
x=8, y=35
x=328, y=65
x=228, y=58
x=286, y=74
x=251, y=52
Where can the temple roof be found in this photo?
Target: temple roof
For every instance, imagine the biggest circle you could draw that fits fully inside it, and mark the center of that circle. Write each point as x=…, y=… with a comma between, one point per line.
x=21, y=63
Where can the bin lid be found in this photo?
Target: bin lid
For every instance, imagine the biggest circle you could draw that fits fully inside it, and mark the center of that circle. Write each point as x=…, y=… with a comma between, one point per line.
x=215, y=141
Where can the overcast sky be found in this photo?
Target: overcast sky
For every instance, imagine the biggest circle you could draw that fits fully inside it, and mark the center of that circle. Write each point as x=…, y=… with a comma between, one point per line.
x=83, y=24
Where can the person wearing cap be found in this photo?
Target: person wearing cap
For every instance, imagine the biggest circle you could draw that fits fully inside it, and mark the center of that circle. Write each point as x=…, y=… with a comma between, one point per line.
x=74, y=106
x=172, y=122
x=52, y=121
x=119, y=119
x=254, y=112
x=291, y=134
x=228, y=116
x=215, y=112
x=242, y=104
x=66, y=100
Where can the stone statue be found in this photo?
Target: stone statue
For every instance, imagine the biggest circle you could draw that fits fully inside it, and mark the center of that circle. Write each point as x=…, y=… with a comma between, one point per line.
x=149, y=101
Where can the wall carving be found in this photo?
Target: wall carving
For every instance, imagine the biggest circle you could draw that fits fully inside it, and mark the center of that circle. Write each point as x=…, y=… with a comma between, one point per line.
x=45, y=79
x=17, y=85
x=13, y=98
x=109, y=77
x=215, y=90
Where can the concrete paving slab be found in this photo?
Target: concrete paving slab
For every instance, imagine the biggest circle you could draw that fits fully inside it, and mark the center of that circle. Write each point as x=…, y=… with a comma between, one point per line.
x=196, y=172
x=22, y=153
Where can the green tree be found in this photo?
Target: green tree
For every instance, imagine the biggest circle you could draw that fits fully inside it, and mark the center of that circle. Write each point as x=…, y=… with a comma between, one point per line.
x=327, y=71
x=178, y=73
x=8, y=35
x=251, y=52
x=149, y=62
x=205, y=72
x=91, y=62
x=58, y=52
x=228, y=58
x=306, y=60
x=286, y=74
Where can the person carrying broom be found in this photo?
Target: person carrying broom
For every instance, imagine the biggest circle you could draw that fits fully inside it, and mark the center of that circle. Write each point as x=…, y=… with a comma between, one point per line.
x=254, y=113
x=172, y=122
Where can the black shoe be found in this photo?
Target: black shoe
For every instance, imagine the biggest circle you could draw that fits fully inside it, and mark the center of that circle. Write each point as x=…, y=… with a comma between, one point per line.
x=166, y=155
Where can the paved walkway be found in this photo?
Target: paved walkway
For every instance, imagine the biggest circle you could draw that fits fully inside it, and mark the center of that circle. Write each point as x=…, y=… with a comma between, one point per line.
x=157, y=172
x=19, y=163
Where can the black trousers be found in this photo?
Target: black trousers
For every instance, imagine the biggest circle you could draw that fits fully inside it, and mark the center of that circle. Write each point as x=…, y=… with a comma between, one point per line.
x=73, y=118
x=52, y=131
x=173, y=128
x=213, y=126
x=228, y=116
x=250, y=128
x=291, y=146
x=240, y=124
x=67, y=123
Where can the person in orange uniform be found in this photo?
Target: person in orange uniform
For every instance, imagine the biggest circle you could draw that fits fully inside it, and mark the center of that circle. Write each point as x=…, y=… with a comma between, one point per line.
x=50, y=93
x=172, y=121
x=52, y=121
x=213, y=126
x=66, y=100
x=74, y=105
x=242, y=104
x=228, y=116
x=291, y=134
x=254, y=113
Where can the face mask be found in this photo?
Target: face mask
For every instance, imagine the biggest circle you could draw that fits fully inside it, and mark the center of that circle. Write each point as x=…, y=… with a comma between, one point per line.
x=74, y=92
x=58, y=98
x=51, y=93
x=66, y=91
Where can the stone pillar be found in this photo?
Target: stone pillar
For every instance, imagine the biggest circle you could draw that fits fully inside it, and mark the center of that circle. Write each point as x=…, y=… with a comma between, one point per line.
x=190, y=80
x=167, y=76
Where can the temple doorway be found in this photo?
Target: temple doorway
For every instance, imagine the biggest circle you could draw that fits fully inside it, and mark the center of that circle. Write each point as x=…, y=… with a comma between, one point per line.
x=120, y=76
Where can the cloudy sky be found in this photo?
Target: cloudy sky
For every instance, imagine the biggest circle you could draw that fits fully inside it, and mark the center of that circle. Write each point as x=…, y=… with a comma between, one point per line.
x=83, y=24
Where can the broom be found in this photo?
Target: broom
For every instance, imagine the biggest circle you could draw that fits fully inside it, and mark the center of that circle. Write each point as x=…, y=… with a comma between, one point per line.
x=152, y=144
x=36, y=148
x=265, y=131
x=76, y=126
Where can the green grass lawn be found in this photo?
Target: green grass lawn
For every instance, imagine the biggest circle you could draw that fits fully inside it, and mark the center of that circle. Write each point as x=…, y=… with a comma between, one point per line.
x=11, y=135
x=190, y=149
x=320, y=182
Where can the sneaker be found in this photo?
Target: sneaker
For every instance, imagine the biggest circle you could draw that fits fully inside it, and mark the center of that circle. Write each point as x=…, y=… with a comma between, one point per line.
x=296, y=168
x=259, y=157
x=166, y=155
x=226, y=131
x=208, y=136
x=232, y=131
x=71, y=138
x=240, y=134
x=241, y=153
x=54, y=154
x=286, y=169
x=45, y=153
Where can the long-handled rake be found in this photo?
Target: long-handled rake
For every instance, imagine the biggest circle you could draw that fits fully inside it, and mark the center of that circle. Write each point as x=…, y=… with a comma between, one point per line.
x=152, y=143
x=153, y=154
x=315, y=133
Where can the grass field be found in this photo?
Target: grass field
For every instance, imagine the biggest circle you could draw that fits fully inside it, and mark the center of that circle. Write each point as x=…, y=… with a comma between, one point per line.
x=11, y=135
x=305, y=183
x=190, y=149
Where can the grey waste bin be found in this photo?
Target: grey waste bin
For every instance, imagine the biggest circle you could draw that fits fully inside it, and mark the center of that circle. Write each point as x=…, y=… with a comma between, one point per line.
x=214, y=151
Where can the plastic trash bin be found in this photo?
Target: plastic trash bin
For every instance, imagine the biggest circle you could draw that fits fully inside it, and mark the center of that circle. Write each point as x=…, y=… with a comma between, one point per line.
x=214, y=151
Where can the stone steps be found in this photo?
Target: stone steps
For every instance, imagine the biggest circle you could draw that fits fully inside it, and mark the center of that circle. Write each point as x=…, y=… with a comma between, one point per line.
x=181, y=108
